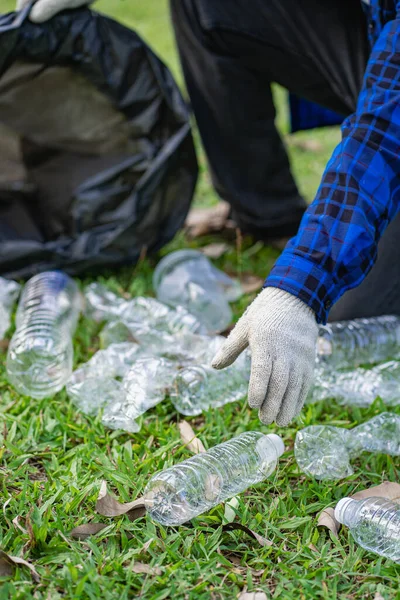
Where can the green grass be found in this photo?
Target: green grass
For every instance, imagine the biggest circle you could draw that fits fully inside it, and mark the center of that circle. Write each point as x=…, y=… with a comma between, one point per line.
x=53, y=460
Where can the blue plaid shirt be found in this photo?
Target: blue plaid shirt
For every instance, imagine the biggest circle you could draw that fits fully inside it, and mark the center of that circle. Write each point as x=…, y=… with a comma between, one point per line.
x=359, y=194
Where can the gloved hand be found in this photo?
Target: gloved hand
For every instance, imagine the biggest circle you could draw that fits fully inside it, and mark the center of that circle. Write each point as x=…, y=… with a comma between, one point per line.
x=43, y=10
x=281, y=331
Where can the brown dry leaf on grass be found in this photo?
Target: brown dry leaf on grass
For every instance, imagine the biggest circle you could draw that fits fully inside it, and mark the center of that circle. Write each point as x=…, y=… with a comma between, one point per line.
x=4, y=345
x=327, y=519
x=84, y=531
x=214, y=251
x=189, y=438
x=202, y=221
x=108, y=506
x=9, y=563
x=387, y=489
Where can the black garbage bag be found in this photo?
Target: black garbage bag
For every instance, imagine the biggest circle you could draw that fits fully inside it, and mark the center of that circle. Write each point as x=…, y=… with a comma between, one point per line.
x=97, y=162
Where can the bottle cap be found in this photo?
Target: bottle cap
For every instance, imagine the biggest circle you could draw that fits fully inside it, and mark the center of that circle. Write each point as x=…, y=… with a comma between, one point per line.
x=340, y=508
x=277, y=442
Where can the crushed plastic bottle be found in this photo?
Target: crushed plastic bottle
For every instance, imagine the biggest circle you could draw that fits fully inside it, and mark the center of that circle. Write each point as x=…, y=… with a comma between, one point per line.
x=374, y=524
x=187, y=278
x=40, y=354
x=9, y=292
x=104, y=305
x=182, y=347
x=358, y=387
x=154, y=341
x=101, y=304
x=360, y=341
x=199, y=387
x=144, y=386
x=324, y=452
x=95, y=393
x=161, y=317
x=94, y=384
x=194, y=486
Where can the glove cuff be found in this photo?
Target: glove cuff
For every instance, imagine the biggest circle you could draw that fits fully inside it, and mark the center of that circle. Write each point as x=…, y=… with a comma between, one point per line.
x=286, y=300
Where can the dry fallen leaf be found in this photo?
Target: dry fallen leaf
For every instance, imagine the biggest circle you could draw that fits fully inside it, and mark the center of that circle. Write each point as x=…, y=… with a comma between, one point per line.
x=252, y=596
x=214, y=250
x=146, y=546
x=378, y=596
x=108, y=506
x=189, y=438
x=327, y=519
x=250, y=283
x=8, y=564
x=260, y=539
x=4, y=345
x=387, y=489
x=17, y=525
x=139, y=567
x=84, y=531
x=202, y=221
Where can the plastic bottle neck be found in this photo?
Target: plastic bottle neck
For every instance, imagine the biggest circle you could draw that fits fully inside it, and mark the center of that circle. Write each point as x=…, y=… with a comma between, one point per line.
x=277, y=442
x=344, y=511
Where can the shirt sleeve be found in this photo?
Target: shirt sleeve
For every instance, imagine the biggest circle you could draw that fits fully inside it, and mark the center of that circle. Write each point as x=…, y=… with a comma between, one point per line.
x=359, y=194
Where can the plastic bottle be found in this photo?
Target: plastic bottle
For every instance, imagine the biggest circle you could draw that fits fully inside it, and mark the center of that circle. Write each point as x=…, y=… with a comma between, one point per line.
x=374, y=524
x=189, y=279
x=358, y=387
x=193, y=486
x=199, y=387
x=147, y=382
x=360, y=341
x=94, y=385
x=39, y=360
x=379, y=434
x=324, y=452
x=101, y=304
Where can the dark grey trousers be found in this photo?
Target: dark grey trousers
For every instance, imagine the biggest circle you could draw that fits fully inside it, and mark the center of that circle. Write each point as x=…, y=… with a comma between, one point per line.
x=231, y=51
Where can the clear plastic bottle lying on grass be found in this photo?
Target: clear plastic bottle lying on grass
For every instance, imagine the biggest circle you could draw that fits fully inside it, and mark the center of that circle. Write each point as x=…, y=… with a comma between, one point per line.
x=40, y=354
x=358, y=387
x=325, y=452
x=360, y=341
x=374, y=524
x=193, y=486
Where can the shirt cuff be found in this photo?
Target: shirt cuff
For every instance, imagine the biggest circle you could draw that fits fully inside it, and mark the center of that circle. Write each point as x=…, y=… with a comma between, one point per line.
x=306, y=281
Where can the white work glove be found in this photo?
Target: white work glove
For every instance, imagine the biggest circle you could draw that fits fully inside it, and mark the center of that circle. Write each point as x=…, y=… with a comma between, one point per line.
x=43, y=10
x=281, y=331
